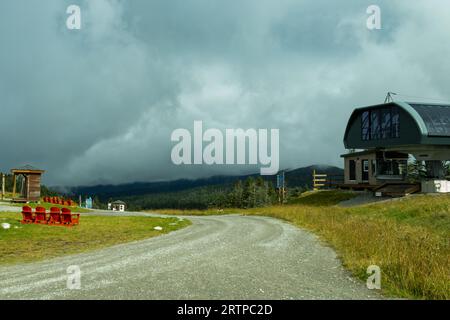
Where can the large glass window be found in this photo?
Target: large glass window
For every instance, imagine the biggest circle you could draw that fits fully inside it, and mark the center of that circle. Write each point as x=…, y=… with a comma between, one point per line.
x=392, y=167
x=385, y=123
x=395, y=123
x=365, y=126
x=375, y=124
x=380, y=124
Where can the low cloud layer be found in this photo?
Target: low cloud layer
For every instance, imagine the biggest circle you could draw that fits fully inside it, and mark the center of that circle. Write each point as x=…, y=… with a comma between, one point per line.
x=98, y=105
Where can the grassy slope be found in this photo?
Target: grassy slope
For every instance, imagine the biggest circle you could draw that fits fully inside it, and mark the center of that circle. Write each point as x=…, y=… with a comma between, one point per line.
x=28, y=243
x=408, y=239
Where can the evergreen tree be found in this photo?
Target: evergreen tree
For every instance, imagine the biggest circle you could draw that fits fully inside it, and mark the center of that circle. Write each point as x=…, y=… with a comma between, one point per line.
x=416, y=171
x=249, y=193
x=237, y=195
x=272, y=194
x=261, y=192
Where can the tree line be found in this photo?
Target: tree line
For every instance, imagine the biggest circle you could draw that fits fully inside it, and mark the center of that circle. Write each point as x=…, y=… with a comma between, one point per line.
x=249, y=193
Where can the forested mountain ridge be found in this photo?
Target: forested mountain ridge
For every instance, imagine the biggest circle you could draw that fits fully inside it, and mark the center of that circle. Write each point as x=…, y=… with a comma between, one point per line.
x=217, y=191
x=301, y=177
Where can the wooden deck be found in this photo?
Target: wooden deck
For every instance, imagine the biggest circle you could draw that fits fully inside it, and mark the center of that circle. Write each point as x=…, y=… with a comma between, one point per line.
x=390, y=189
x=356, y=186
x=398, y=189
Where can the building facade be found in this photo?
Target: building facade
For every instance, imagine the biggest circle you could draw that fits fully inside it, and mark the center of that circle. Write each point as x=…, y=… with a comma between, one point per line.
x=383, y=137
x=117, y=206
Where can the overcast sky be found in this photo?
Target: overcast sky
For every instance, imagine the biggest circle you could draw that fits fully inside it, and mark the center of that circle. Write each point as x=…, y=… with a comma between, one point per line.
x=98, y=105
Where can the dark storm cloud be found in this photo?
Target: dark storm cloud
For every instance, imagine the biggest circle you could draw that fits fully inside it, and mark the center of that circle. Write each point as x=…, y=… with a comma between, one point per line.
x=99, y=104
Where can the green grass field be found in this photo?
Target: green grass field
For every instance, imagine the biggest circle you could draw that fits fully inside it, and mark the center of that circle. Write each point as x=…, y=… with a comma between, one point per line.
x=27, y=243
x=409, y=239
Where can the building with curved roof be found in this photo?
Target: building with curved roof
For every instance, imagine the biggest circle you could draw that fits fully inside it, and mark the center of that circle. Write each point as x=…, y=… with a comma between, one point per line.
x=400, y=124
x=388, y=134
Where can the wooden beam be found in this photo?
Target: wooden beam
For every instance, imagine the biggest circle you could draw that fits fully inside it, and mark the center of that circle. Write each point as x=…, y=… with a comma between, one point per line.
x=14, y=186
x=3, y=186
x=27, y=171
x=27, y=184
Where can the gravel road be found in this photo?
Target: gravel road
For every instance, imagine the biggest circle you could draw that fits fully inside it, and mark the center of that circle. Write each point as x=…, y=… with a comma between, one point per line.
x=218, y=257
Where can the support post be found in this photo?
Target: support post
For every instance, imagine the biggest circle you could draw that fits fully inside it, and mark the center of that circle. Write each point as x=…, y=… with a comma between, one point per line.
x=3, y=186
x=14, y=186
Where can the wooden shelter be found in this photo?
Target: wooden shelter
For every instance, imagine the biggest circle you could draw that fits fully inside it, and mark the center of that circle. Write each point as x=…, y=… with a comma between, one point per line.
x=30, y=183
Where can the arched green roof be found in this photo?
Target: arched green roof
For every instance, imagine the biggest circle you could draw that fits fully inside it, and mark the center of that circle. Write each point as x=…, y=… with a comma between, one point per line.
x=415, y=115
x=432, y=121
x=435, y=117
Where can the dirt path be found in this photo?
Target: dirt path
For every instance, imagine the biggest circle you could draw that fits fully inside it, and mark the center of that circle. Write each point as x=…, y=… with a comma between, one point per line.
x=218, y=257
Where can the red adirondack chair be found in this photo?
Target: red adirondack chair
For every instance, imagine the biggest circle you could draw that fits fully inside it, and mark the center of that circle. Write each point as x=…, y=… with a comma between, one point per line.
x=27, y=215
x=68, y=218
x=55, y=216
x=40, y=216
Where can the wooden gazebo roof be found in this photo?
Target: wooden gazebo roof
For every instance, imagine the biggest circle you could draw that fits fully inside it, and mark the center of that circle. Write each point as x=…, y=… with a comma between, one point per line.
x=27, y=169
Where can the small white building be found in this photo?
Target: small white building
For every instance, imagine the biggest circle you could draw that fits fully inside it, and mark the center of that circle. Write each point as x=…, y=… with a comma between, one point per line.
x=117, y=206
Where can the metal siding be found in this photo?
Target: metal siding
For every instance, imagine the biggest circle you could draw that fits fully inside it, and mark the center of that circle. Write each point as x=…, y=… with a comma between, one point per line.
x=436, y=118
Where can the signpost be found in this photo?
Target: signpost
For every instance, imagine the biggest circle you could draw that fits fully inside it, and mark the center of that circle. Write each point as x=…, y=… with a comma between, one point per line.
x=281, y=186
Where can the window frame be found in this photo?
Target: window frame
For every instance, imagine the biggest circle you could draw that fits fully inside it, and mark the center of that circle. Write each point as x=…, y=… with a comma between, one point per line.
x=395, y=129
x=375, y=129
x=381, y=131
x=365, y=130
x=386, y=131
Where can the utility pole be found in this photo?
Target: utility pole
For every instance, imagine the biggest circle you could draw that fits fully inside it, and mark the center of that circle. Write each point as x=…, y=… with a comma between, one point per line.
x=3, y=186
